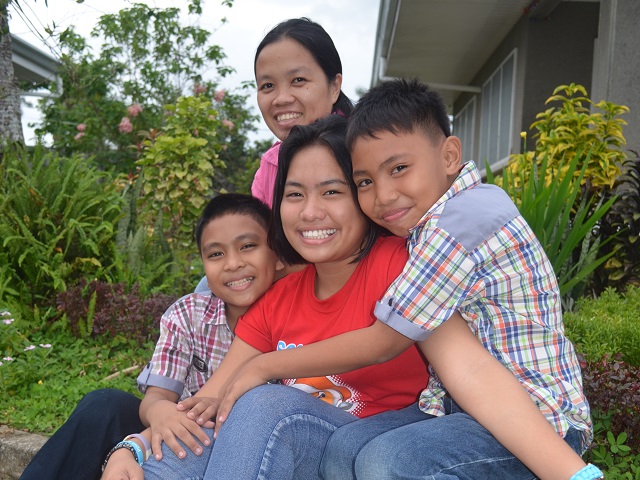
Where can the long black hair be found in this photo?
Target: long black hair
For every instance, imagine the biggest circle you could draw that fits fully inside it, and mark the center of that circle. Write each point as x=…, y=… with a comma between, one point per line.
x=328, y=132
x=318, y=43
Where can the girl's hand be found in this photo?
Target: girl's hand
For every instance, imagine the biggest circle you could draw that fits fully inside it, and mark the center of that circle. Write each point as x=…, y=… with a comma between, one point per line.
x=122, y=466
x=201, y=410
x=248, y=377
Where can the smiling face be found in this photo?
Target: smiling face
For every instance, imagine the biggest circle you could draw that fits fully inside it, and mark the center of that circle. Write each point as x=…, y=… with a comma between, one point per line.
x=400, y=177
x=292, y=88
x=319, y=215
x=238, y=263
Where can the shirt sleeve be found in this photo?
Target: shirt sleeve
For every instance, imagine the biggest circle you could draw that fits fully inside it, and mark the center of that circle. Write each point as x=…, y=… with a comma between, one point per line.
x=171, y=360
x=265, y=177
x=435, y=282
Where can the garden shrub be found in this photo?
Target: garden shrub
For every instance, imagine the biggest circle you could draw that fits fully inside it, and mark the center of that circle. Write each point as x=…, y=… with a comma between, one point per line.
x=569, y=128
x=607, y=325
x=623, y=221
x=612, y=387
x=101, y=309
x=57, y=218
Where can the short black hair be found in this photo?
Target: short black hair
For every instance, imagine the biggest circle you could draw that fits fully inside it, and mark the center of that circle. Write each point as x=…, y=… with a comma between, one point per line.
x=318, y=43
x=232, y=204
x=399, y=106
x=328, y=132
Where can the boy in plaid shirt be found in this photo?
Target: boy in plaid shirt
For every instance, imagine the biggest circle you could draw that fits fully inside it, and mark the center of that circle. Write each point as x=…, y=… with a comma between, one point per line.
x=195, y=334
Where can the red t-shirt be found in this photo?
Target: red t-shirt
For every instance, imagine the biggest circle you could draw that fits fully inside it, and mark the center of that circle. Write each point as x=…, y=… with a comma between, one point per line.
x=289, y=315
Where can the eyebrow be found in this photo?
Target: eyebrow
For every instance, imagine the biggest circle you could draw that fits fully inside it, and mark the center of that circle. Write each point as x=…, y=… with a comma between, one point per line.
x=240, y=238
x=294, y=71
x=331, y=181
x=382, y=166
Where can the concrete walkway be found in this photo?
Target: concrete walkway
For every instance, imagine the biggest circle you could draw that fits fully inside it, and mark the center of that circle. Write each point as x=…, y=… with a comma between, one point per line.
x=16, y=450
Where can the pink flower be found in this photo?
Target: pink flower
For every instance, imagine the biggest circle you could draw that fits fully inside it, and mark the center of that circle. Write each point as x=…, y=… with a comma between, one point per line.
x=30, y=347
x=8, y=321
x=78, y=136
x=8, y=359
x=134, y=110
x=199, y=88
x=228, y=123
x=125, y=125
x=81, y=127
x=45, y=345
x=219, y=95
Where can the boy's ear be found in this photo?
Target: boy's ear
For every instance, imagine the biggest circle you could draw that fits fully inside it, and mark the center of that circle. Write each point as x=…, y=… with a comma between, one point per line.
x=279, y=265
x=452, y=150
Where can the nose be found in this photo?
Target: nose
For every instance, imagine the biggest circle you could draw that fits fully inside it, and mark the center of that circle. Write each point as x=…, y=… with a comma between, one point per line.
x=283, y=97
x=384, y=194
x=234, y=261
x=312, y=210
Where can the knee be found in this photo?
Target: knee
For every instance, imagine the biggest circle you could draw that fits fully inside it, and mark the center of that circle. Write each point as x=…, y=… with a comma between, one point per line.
x=337, y=460
x=270, y=398
x=374, y=461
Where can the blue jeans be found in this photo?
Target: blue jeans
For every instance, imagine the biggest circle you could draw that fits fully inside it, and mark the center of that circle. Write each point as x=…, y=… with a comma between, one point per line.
x=273, y=432
x=409, y=444
x=100, y=420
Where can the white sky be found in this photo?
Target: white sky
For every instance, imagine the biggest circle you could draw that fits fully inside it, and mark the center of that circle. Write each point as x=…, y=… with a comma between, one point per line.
x=351, y=24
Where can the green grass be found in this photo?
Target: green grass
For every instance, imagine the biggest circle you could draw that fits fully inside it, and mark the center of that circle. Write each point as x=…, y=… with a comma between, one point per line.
x=41, y=387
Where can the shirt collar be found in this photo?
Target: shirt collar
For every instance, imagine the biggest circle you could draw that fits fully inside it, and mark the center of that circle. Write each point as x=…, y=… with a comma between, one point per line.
x=468, y=177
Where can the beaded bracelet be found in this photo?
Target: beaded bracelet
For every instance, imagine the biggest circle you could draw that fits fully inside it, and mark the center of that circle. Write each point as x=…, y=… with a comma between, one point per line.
x=143, y=441
x=134, y=448
x=590, y=472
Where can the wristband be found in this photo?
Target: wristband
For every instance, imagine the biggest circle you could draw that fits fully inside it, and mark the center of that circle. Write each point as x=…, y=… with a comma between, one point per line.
x=590, y=472
x=133, y=447
x=143, y=441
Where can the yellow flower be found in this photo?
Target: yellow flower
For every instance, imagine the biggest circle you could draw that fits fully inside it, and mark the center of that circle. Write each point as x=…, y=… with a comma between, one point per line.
x=523, y=135
x=39, y=382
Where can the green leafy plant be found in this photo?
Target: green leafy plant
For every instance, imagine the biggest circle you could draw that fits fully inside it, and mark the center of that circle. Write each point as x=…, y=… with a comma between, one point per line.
x=567, y=236
x=569, y=129
x=623, y=221
x=611, y=452
x=40, y=386
x=57, y=219
x=178, y=164
x=607, y=325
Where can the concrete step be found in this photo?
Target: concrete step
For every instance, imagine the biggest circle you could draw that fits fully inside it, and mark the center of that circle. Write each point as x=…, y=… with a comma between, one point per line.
x=17, y=448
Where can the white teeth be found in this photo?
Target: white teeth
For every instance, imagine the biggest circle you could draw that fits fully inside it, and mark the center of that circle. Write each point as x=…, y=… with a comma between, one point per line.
x=239, y=283
x=318, y=234
x=288, y=116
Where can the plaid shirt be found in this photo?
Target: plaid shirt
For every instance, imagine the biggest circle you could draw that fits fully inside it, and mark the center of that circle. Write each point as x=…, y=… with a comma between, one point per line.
x=472, y=252
x=194, y=338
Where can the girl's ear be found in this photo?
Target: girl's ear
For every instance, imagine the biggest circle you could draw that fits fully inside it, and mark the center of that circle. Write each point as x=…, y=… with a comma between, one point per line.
x=336, y=85
x=452, y=149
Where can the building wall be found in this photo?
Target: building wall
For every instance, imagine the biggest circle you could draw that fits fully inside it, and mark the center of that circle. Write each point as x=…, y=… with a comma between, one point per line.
x=616, y=73
x=560, y=51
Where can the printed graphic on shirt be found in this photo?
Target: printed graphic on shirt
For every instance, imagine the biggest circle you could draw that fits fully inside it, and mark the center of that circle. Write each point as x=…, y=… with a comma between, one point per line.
x=199, y=364
x=326, y=390
x=282, y=345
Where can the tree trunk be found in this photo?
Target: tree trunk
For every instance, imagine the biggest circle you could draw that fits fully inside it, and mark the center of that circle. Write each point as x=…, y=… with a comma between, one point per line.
x=10, y=121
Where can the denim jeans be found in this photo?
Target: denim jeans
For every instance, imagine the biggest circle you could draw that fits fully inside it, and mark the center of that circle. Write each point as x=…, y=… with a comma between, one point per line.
x=273, y=432
x=409, y=444
x=100, y=420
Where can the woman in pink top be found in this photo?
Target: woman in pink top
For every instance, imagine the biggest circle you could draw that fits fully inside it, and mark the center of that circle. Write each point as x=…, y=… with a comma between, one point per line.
x=299, y=77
